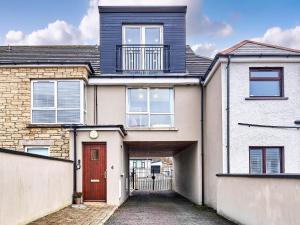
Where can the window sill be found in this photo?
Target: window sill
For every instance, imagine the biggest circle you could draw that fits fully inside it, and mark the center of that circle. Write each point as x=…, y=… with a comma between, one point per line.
x=46, y=125
x=152, y=129
x=267, y=98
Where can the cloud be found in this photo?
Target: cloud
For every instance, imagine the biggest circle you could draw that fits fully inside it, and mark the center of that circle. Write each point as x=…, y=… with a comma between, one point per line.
x=206, y=26
x=56, y=32
x=89, y=25
x=61, y=32
x=278, y=36
x=197, y=23
x=205, y=49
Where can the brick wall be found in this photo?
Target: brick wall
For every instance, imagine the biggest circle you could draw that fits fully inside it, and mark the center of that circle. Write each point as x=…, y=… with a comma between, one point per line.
x=15, y=115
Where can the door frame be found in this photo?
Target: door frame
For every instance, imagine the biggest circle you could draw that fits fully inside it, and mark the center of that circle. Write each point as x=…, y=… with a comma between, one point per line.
x=83, y=180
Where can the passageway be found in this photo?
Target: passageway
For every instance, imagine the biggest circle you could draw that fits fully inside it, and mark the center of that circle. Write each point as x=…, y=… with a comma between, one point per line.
x=184, y=177
x=163, y=208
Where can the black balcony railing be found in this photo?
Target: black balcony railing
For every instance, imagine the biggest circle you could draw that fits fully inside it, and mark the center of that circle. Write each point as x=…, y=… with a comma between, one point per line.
x=143, y=58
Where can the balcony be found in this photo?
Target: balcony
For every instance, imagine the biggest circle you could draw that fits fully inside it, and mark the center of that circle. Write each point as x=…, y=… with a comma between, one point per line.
x=143, y=58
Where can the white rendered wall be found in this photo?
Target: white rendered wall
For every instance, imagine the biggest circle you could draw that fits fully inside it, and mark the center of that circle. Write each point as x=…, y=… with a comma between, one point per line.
x=117, y=163
x=266, y=112
x=187, y=173
x=32, y=187
x=256, y=201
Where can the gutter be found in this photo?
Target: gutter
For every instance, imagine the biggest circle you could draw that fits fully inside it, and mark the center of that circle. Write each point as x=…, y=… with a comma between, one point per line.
x=228, y=113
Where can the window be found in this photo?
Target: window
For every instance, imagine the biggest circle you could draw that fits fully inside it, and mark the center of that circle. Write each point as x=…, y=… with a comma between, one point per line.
x=134, y=164
x=142, y=47
x=94, y=154
x=57, y=102
x=266, y=82
x=266, y=160
x=143, y=164
x=150, y=107
x=142, y=34
x=38, y=150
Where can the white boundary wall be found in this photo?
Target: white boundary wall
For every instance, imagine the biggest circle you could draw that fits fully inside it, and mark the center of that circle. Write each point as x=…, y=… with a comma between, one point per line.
x=32, y=187
x=260, y=200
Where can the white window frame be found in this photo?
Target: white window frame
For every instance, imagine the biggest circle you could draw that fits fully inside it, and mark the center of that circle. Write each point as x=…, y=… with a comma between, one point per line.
x=38, y=146
x=143, y=40
x=148, y=113
x=142, y=33
x=82, y=100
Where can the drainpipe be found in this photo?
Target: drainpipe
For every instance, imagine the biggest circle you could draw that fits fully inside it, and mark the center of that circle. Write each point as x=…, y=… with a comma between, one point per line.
x=75, y=161
x=96, y=105
x=228, y=113
x=202, y=141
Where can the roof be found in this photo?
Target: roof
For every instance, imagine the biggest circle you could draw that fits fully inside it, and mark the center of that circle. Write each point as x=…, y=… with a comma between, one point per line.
x=50, y=54
x=76, y=54
x=247, y=47
x=196, y=65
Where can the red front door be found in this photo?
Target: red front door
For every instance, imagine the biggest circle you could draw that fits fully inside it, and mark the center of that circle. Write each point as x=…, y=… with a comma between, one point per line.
x=94, y=172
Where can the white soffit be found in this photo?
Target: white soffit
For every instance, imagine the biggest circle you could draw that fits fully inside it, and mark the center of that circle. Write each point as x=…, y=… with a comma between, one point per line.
x=143, y=81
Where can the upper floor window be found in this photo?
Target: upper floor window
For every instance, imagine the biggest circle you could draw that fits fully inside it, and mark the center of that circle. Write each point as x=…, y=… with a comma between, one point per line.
x=57, y=102
x=142, y=35
x=266, y=160
x=150, y=107
x=142, y=48
x=266, y=82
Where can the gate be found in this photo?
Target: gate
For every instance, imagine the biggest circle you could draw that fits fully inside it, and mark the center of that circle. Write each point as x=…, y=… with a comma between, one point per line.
x=153, y=179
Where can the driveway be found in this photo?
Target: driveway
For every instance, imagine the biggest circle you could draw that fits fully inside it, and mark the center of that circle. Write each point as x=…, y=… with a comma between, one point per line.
x=163, y=208
x=90, y=214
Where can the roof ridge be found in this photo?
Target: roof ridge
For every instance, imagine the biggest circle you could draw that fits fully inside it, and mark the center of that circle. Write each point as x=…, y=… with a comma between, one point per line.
x=274, y=46
x=233, y=48
x=242, y=43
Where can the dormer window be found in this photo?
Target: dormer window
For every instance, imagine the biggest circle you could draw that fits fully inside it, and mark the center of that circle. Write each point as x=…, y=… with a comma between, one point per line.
x=142, y=35
x=142, y=49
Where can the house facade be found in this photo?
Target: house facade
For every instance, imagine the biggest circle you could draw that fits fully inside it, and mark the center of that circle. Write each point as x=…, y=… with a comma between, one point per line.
x=144, y=93
x=251, y=105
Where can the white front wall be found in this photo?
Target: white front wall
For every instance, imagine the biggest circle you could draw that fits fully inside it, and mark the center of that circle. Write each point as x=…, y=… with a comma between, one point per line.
x=266, y=112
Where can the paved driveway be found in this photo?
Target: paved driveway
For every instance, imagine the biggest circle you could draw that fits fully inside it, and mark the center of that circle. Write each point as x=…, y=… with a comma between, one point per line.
x=91, y=214
x=164, y=208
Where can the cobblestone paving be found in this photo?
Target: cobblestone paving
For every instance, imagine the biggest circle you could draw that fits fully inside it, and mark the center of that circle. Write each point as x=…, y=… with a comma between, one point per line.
x=93, y=214
x=163, y=208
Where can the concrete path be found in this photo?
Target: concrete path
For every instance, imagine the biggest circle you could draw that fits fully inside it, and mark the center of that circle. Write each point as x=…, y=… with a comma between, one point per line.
x=91, y=214
x=163, y=208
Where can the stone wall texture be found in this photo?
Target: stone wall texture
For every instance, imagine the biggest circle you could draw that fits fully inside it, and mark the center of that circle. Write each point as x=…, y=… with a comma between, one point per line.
x=15, y=108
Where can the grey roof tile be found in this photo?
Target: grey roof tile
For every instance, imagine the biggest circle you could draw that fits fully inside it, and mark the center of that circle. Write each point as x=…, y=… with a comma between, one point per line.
x=196, y=65
x=56, y=53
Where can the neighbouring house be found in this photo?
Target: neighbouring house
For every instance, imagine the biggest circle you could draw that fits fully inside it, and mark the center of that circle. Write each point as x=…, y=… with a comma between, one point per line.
x=143, y=90
x=251, y=111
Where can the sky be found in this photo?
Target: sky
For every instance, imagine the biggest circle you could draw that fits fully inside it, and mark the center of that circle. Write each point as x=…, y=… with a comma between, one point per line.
x=212, y=25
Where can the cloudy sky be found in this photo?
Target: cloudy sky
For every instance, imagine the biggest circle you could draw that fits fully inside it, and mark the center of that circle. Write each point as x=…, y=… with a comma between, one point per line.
x=212, y=25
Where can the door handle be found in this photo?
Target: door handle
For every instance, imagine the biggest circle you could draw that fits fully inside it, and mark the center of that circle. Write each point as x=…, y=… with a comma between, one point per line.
x=95, y=180
x=105, y=174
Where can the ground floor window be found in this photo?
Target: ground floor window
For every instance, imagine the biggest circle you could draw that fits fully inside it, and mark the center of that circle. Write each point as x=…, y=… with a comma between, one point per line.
x=38, y=150
x=266, y=160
